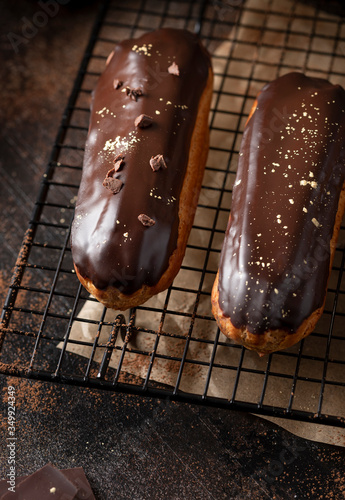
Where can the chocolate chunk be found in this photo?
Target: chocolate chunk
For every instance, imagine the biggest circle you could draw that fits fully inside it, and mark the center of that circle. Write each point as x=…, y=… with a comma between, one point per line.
x=135, y=93
x=146, y=220
x=111, y=172
x=78, y=478
x=118, y=165
x=143, y=121
x=47, y=482
x=157, y=162
x=114, y=185
x=118, y=157
x=174, y=69
x=117, y=84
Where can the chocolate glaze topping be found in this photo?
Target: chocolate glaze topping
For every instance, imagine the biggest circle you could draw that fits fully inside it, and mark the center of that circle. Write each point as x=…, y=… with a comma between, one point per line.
x=276, y=254
x=109, y=244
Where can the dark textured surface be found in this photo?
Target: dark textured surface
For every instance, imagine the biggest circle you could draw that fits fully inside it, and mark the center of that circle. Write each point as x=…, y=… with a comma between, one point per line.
x=129, y=447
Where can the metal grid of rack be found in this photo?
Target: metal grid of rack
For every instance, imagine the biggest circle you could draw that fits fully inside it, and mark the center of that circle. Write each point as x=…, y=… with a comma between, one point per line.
x=170, y=347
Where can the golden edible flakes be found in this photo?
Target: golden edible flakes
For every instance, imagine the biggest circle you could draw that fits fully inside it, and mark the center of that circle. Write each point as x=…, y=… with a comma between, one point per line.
x=304, y=182
x=101, y=111
x=144, y=49
x=181, y=106
x=122, y=143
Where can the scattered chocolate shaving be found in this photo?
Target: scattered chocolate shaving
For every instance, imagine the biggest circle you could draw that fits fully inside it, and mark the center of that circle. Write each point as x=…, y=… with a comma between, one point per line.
x=157, y=162
x=118, y=157
x=135, y=93
x=174, y=69
x=114, y=185
x=117, y=84
x=118, y=165
x=146, y=220
x=111, y=172
x=143, y=121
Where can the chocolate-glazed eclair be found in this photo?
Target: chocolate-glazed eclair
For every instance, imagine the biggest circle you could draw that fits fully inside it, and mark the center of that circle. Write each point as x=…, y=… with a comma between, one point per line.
x=287, y=206
x=143, y=166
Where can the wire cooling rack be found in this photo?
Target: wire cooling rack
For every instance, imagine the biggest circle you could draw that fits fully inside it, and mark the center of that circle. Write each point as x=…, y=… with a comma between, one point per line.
x=170, y=347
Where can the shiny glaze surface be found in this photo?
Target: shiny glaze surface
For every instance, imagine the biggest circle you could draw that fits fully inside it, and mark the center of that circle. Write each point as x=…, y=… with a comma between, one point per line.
x=110, y=245
x=275, y=258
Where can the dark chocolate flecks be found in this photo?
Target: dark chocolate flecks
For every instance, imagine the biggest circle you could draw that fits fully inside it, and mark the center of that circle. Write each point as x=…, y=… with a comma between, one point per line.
x=118, y=164
x=143, y=121
x=119, y=157
x=100, y=251
x=275, y=259
x=146, y=220
x=113, y=184
x=133, y=93
x=157, y=162
x=117, y=83
x=174, y=69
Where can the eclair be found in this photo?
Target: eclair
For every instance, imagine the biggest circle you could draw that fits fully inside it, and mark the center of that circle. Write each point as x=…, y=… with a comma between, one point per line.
x=287, y=206
x=143, y=166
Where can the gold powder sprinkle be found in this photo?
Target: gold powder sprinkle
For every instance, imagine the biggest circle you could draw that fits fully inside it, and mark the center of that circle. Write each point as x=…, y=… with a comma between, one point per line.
x=144, y=49
x=304, y=182
x=101, y=111
x=120, y=142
